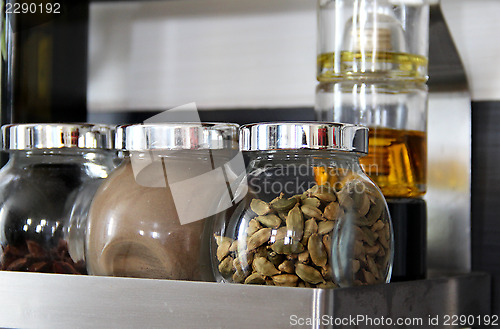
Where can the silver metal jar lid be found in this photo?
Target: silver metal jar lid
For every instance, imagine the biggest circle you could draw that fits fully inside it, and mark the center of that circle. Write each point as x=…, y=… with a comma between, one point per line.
x=177, y=136
x=304, y=135
x=57, y=135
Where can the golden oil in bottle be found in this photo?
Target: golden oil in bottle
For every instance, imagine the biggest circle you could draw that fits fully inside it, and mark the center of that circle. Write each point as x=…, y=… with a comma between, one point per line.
x=371, y=65
x=397, y=161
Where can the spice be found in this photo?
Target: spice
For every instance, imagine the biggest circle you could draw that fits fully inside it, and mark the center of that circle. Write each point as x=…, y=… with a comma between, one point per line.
x=289, y=240
x=31, y=257
x=148, y=240
x=34, y=219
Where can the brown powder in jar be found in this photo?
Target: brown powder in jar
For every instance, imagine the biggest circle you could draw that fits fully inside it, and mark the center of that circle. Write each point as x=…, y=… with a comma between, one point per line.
x=134, y=231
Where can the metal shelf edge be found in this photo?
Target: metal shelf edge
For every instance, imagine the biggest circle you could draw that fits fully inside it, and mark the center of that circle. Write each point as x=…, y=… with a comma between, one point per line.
x=33, y=300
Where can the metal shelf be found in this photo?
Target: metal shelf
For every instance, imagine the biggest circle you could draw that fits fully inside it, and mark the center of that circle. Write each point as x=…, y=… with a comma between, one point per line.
x=32, y=300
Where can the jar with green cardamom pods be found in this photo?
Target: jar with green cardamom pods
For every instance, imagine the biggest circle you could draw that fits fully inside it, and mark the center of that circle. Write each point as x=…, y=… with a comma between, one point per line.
x=308, y=215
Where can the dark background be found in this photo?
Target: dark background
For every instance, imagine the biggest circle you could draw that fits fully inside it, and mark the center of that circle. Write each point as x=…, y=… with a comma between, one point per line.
x=486, y=193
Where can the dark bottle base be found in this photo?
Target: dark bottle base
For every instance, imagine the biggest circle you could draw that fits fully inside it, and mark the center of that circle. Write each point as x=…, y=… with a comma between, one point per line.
x=409, y=218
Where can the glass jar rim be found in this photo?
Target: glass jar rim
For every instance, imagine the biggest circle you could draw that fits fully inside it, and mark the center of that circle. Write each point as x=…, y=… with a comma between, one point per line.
x=177, y=136
x=38, y=136
x=271, y=136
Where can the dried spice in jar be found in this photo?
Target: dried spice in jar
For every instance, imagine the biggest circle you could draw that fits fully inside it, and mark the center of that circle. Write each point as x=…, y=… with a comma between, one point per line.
x=148, y=219
x=48, y=165
x=289, y=231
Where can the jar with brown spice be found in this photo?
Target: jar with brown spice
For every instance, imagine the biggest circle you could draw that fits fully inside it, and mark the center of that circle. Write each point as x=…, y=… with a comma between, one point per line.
x=148, y=218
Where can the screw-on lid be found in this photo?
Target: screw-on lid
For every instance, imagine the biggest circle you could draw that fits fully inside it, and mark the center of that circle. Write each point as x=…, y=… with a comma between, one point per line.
x=304, y=135
x=57, y=135
x=177, y=136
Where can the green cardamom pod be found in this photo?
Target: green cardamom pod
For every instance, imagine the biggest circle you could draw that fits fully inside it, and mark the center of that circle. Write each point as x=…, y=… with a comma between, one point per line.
x=223, y=249
x=325, y=194
x=327, y=273
x=262, y=266
x=295, y=223
x=284, y=204
x=311, y=211
x=356, y=265
x=332, y=211
x=287, y=266
x=226, y=266
x=359, y=250
x=255, y=278
x=260, y=252
x=375, y=210
x=286, y=280
x=234, y=246
x=253, y=226
x=304, y=257
x=326, y=227
x=345, y=199
x=239, y=276
x=287, y=246
x=275, y=258
x=219, y=239
x=313, y=202
x=363, y=205
x=272, y=221
x=259, y=238
x=369, y=278
x=327, y=243
x=377, y=226
x=372, y=250
x=368, y=236
x=308, y=274
x=383, y=241
x=245, y=259
x=260, y=207
x=310, y=227
x=278, y=198
x=317, y=250
x=281, y=233
x=327, y=285
x=373, y=267
x=381, y=252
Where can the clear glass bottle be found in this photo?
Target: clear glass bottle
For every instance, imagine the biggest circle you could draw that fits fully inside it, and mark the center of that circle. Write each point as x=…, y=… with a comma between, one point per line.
x=148, y=218
x=48, y=165
x=372, y=39
x=294, y=229
x=396, y=114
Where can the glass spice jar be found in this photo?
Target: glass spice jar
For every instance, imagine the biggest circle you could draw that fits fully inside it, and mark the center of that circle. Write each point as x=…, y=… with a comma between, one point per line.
x=147, y=219
x=48, y=165
x=294, y=228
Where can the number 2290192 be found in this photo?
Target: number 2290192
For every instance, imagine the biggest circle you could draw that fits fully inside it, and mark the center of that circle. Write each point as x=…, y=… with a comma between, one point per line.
x=32, y=8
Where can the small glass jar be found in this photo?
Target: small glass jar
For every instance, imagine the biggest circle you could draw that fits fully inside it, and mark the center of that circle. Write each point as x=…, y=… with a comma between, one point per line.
x=48, y=165
x=372, y=39
x=311, y=217
x=147, y=219
x=396, y=114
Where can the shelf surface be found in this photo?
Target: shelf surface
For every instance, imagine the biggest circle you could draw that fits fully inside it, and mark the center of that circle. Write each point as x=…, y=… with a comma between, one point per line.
x=32, y=300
